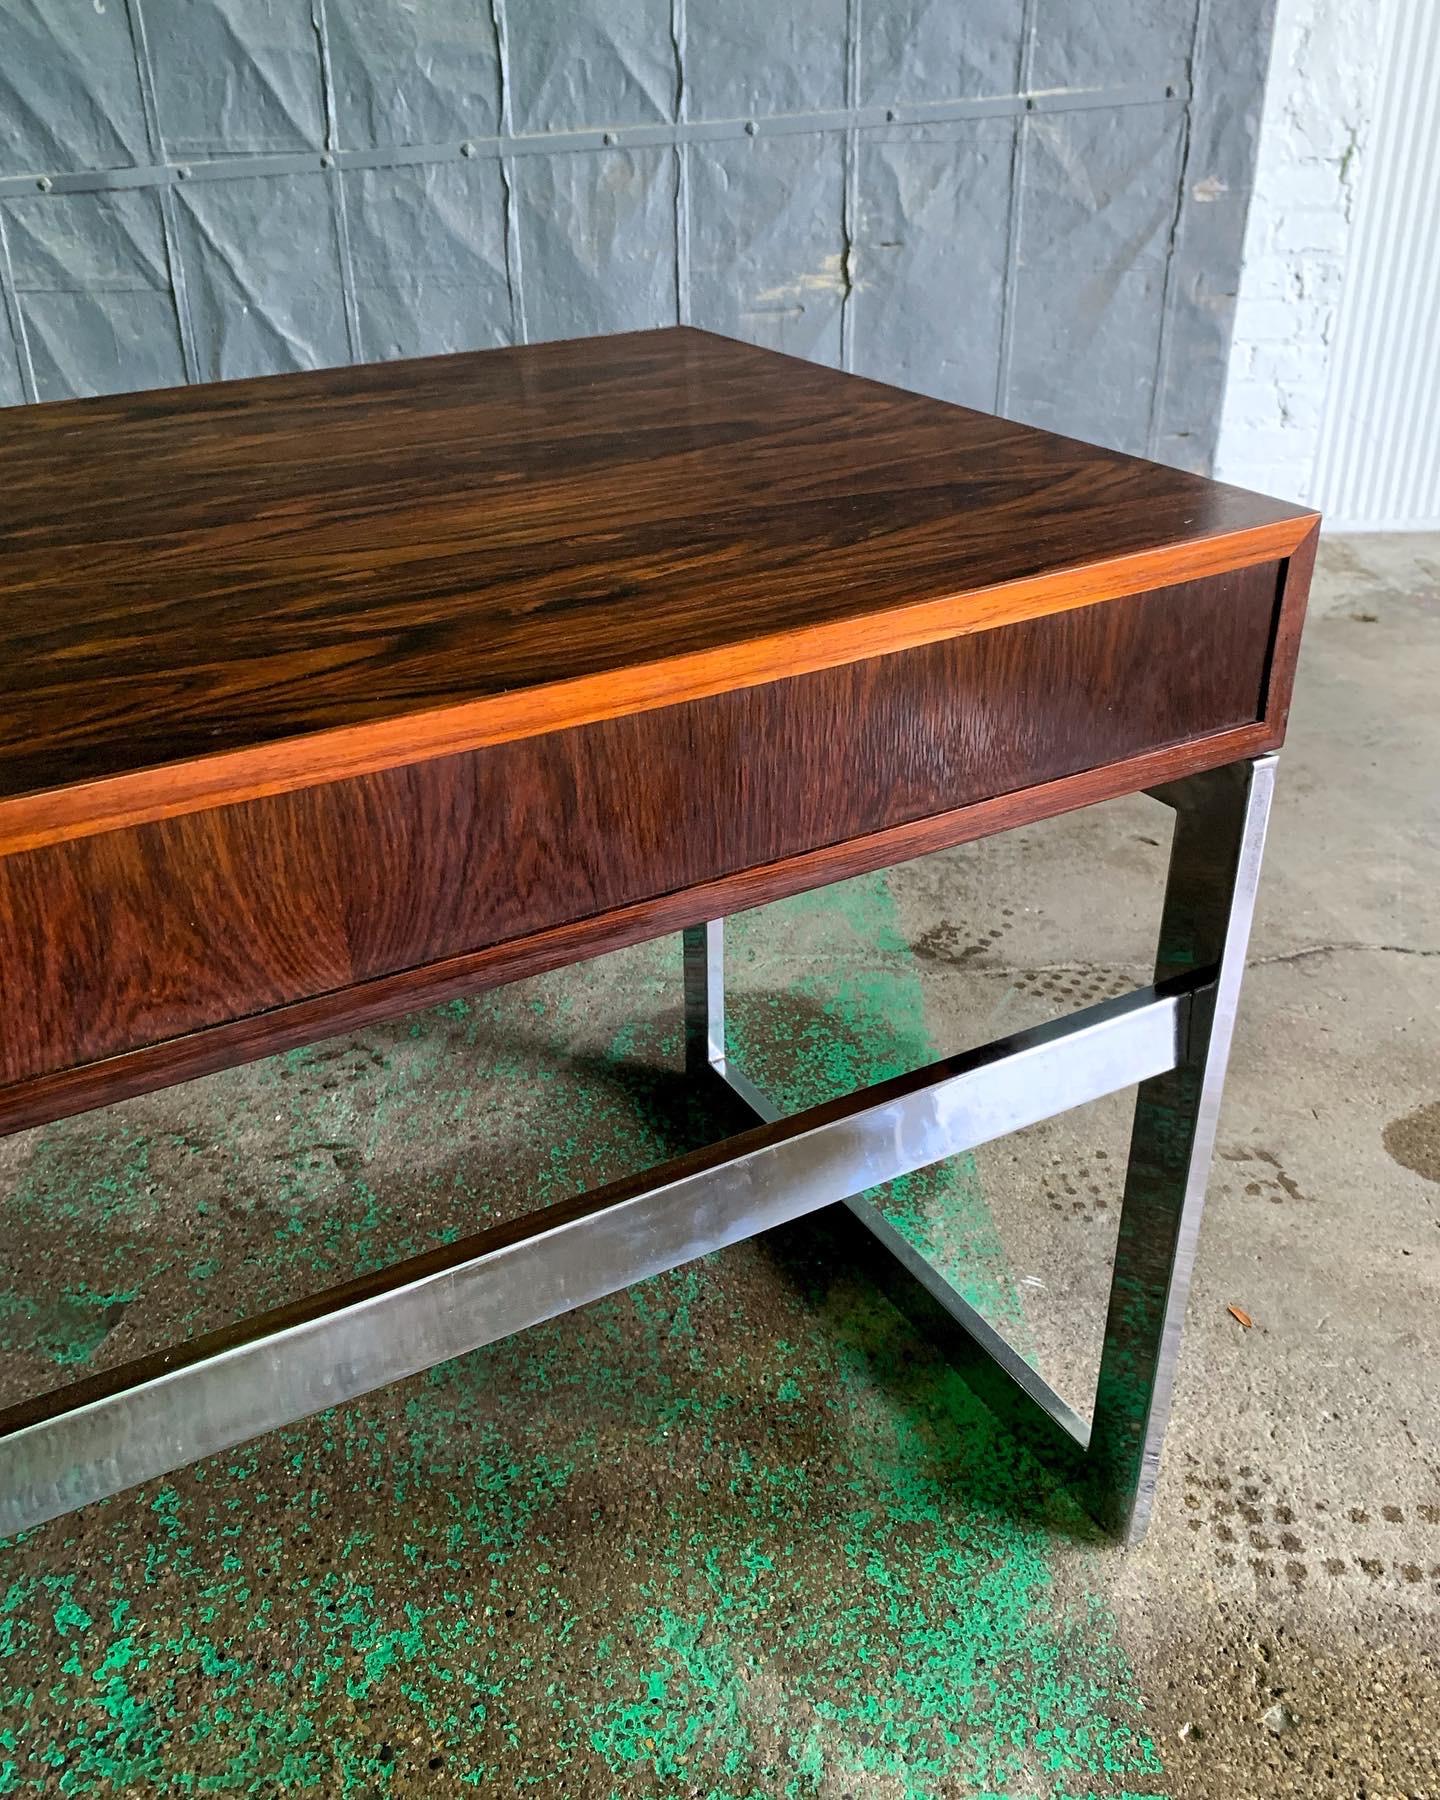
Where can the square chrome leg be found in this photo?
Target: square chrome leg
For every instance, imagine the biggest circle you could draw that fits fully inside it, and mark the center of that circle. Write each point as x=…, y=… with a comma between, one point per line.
x=705, y=1052
x=1215, y=857
x=1221, y=819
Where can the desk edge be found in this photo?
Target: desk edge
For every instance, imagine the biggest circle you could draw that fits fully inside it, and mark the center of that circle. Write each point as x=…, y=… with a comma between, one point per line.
x=168, y=790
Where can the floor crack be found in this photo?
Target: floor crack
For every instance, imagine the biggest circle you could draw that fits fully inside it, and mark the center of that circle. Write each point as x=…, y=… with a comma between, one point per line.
x=1286, y=956
x=1136, y=968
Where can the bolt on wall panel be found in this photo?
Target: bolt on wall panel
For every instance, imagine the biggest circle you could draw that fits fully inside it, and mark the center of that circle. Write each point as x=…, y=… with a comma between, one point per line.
x=69, y=88
x=767, y=243
x=93, y=285
x=427, y=244
x=929, y=257
x=1096, y=211
x=236, y=77
x=759, y=57
x=262, y=271
x=426, y=72
x=914, y=50
x=576, y=63
x=597, y=238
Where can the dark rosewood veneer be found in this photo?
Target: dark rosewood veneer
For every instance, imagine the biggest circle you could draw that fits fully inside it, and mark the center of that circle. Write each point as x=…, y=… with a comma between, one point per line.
x=326, y=695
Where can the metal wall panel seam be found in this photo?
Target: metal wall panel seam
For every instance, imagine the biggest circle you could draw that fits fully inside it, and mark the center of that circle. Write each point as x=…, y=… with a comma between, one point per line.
x=850, y=194
x=1013, y=222
x=514, y=268
x=28, y=385
x=169, y=225
x=145, y=76
x=179, y=286
x=663, y=135
x=337, y=184
x=1168, y=297
x=682, y=167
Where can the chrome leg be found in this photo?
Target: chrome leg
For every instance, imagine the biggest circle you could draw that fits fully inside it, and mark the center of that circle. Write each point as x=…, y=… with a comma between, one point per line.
x=1205, y=928
x=705, y=1052
x=704, y=953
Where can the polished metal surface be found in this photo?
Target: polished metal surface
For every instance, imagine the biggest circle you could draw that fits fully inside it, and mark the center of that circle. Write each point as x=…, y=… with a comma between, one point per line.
x=705, y=1047
x=703, y=949
x=1215, y=857
x=1209, y=903
x=106, y=1434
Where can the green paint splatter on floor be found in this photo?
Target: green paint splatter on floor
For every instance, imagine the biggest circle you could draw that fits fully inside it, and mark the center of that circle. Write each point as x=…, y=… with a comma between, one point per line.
x=867, y=1025
x=733, y=1533
x=68, y=1330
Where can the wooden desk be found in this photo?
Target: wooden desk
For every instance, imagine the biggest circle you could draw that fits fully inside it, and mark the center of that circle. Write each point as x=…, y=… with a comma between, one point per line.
x=326, y=696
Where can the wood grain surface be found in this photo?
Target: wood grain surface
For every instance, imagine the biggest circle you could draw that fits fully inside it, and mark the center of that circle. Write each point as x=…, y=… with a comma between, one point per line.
x=213, y=594
x=114, y=942
x=41, y=1099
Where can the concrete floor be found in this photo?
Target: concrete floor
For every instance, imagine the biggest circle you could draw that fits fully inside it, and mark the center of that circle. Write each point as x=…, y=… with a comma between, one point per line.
x=739, y=1533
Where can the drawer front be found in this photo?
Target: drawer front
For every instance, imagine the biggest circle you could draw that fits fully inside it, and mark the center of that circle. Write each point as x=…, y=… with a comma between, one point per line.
x=114, y=942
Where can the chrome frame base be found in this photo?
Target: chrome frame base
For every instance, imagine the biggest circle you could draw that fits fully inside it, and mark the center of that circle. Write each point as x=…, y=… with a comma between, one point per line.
x=96, y=1437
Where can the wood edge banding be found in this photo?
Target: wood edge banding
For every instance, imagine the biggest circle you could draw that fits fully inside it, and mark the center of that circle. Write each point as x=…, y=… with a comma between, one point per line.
x=1295, y=576
x=144, y=796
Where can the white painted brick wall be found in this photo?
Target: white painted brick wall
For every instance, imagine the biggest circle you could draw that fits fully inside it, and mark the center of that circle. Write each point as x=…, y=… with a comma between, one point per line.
x=1313, y=134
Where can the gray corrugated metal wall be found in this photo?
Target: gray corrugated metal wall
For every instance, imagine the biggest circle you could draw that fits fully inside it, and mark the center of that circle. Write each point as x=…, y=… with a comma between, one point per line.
x=1029, y=205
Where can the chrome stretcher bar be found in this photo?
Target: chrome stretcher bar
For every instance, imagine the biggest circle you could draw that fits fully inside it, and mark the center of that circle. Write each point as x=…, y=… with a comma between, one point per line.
x=101, y=1435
